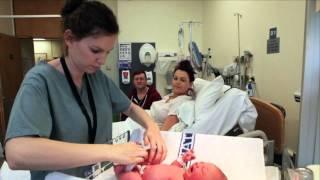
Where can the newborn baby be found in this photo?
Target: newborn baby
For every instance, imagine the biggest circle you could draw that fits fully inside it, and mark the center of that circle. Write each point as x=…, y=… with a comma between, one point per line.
x=174, y=171
x=130, y=175
x=203, y=170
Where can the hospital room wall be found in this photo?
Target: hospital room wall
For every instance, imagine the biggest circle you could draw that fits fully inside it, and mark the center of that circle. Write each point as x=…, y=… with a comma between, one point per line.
x=278, y=75
x=6, y=25
x=110, y=67
x=158, y=21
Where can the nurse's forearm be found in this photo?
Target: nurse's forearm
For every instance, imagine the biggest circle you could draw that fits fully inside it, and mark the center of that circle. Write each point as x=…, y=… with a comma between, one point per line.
x=35, y=153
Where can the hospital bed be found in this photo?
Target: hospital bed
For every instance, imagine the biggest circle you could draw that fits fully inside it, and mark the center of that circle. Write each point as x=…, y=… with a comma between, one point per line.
x=221, y=108
x=217, y=109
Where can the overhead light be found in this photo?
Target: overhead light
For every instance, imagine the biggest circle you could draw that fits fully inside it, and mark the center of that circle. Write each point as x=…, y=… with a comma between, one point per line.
x=39, y=39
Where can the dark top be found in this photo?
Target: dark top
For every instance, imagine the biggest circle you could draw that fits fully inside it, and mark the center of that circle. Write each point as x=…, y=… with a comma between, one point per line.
x=146, y=102
x=151, y=95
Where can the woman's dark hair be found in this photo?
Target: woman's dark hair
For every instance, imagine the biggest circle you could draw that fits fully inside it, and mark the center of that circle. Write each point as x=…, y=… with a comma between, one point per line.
x=186, y=66
x=85, y=18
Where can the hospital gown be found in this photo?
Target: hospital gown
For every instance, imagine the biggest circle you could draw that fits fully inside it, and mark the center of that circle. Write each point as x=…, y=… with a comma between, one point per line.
x=160, y=110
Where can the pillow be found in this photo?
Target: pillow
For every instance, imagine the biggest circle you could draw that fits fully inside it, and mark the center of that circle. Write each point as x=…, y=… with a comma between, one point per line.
x=208, y=94
x=198, y=84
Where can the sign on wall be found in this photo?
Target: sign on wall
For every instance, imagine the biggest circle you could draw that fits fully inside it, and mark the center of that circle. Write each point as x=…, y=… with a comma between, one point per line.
x=273, y=43
x=125, y=56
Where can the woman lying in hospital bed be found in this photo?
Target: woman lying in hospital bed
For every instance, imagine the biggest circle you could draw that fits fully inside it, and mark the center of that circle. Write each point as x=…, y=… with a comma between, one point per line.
x=215, y=108
x=165, y=110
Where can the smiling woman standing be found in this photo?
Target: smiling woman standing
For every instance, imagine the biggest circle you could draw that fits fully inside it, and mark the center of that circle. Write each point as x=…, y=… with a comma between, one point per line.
x=62, y=114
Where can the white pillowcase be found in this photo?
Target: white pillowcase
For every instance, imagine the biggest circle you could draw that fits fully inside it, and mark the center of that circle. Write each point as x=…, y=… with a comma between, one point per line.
x=207, y=93
x=198, y=84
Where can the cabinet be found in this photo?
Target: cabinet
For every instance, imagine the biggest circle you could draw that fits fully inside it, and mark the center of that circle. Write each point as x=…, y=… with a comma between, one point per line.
x=38, y=27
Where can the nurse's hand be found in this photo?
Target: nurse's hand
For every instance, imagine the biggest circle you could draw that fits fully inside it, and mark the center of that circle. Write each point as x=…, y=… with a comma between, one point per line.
x=158, y=150
x=129, y=153
x=152, y=136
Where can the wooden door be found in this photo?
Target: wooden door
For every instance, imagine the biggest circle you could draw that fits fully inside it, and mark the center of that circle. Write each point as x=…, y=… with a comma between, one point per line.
x=2, y=128
x=2, y=119
x=10, y=73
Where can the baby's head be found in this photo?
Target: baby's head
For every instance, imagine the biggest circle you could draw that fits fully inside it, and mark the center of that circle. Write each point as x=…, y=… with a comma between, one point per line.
x=123, y=175
x=204, y=170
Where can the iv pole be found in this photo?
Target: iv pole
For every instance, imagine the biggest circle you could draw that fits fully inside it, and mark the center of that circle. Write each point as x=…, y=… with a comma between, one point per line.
x=239, y=57
x=238, y=26
x=190, y=23
x=205, y=56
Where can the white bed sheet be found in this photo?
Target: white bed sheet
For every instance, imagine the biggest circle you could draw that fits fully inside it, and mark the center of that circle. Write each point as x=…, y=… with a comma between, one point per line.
x=234, y=107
